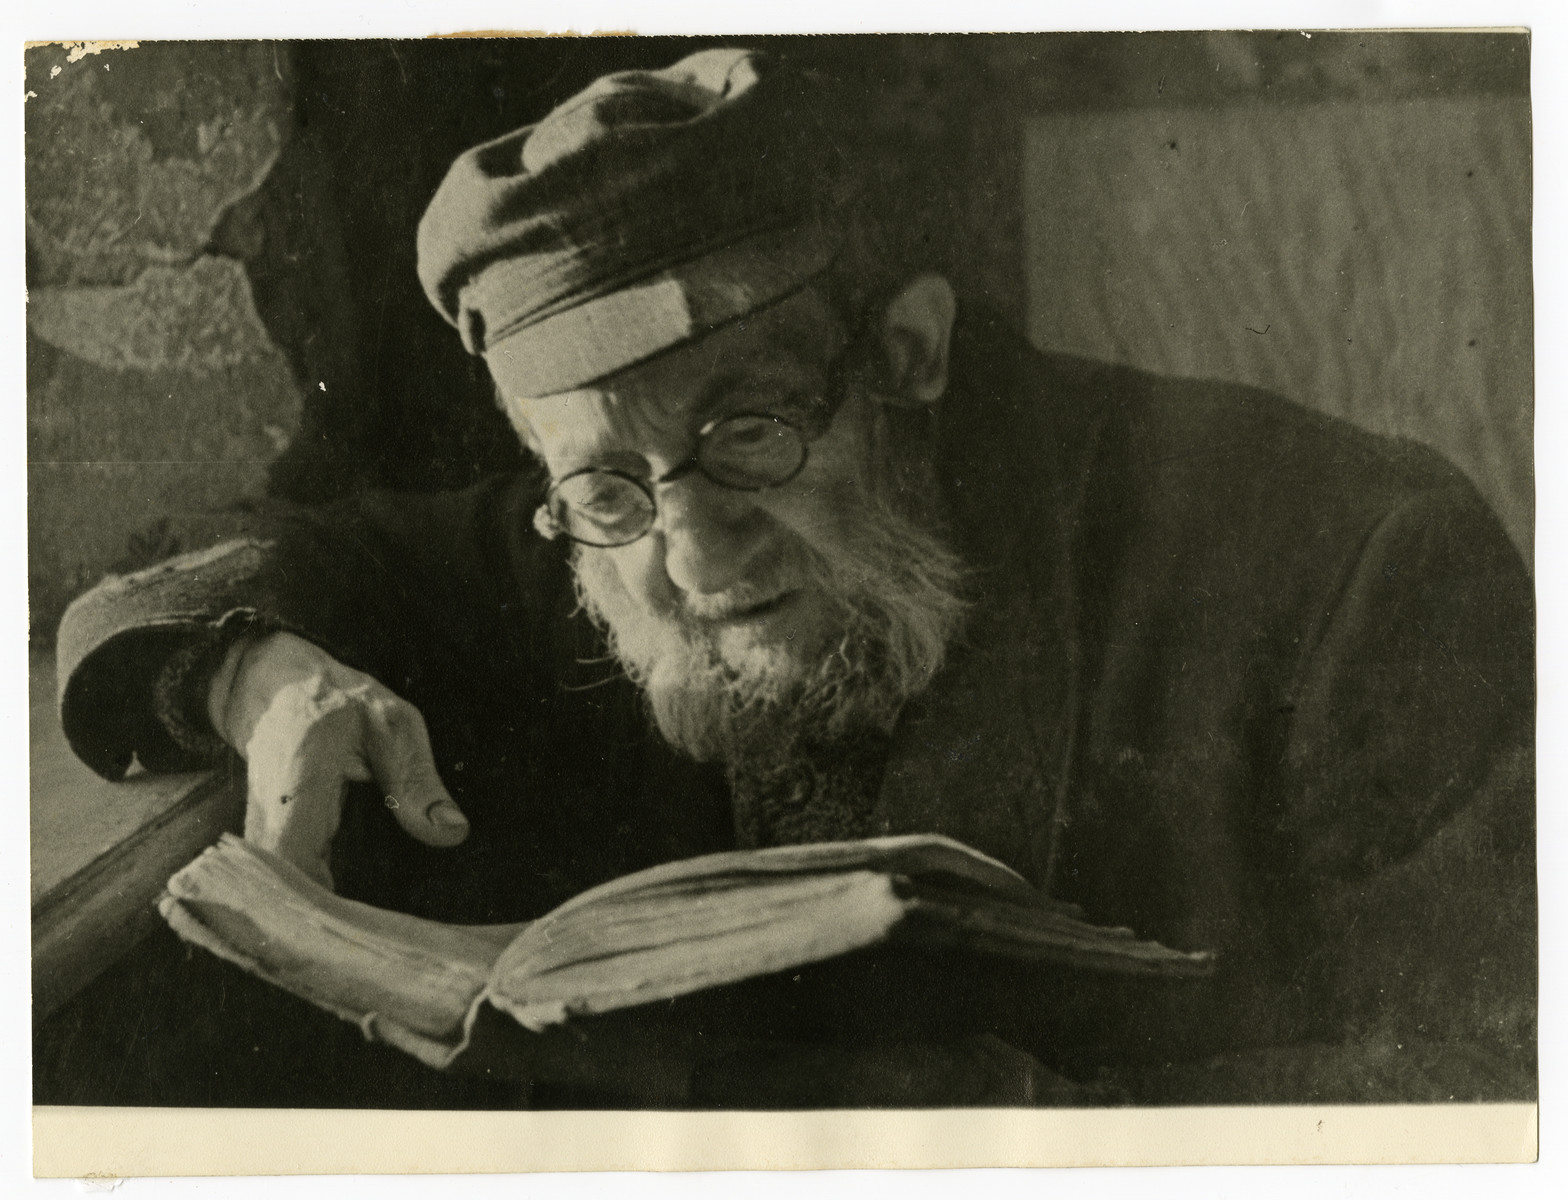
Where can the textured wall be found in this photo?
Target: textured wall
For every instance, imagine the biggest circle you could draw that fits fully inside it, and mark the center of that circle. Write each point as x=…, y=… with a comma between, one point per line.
x=1371, y=259
x=152, y=384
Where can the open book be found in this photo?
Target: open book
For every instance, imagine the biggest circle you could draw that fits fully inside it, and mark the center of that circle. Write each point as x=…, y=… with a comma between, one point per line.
x=667, y=932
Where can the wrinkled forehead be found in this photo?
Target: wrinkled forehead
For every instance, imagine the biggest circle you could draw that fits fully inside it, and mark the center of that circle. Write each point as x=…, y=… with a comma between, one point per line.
x=763, y=358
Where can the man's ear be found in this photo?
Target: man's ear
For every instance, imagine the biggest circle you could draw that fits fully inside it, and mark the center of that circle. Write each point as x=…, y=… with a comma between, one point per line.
x=917, y=328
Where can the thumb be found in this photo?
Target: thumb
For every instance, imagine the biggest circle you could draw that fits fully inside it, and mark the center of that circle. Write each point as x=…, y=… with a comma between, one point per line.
x=398, y=747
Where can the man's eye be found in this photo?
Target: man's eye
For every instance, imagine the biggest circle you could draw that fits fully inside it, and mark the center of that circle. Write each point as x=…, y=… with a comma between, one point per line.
x=601, y=500
x=751, y=433
x=593, y=494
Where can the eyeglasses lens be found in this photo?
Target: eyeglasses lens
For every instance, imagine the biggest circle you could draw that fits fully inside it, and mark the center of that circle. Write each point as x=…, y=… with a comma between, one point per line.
x=600, y=508
x=751, y=452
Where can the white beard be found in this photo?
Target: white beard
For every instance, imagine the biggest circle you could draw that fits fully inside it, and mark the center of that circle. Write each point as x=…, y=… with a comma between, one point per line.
x=895, y=593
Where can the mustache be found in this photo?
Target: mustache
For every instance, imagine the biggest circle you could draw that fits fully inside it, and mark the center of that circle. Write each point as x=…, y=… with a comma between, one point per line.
x=740, y=599
x=896, y=594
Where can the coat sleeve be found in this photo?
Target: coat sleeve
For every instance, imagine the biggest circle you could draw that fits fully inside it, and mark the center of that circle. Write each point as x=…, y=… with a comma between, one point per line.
x=1407, y=817
x=401, y=586
x=1412, y=804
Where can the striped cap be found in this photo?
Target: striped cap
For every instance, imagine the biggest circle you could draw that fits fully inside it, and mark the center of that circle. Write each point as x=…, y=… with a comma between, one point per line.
x=648, y=210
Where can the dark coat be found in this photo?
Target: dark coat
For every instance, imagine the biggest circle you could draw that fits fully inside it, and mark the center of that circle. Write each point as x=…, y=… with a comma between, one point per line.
x=1240, y=677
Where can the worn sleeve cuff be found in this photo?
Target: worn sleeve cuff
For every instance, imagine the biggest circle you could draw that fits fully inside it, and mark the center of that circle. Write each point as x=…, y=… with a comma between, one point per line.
x=180, y=693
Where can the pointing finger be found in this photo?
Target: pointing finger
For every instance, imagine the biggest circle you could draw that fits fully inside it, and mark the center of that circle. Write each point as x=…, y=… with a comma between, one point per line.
x=303, y=750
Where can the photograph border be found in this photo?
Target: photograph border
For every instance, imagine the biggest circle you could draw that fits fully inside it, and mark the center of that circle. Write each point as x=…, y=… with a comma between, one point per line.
x=80, y=1143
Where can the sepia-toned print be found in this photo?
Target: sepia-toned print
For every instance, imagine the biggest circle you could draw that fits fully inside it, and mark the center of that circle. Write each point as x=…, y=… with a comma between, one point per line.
x=782, y=573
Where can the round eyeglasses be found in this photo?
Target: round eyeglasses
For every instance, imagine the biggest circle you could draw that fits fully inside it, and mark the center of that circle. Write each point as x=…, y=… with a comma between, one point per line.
x=745, y=452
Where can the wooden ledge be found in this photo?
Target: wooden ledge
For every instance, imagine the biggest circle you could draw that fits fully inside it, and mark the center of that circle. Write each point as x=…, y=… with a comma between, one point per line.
x=101, y=851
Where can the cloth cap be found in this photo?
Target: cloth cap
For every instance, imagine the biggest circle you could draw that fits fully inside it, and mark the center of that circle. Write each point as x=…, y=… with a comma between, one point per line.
x=647, y=210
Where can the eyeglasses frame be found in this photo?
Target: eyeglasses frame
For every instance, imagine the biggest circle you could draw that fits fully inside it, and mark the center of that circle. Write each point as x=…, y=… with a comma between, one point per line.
x=548, y=527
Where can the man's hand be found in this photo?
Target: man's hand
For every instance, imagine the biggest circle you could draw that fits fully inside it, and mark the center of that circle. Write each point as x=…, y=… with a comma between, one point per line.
x=307, y=726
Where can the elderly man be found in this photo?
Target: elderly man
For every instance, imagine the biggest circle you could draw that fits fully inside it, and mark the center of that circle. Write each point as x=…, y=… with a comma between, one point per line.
x=823, y=553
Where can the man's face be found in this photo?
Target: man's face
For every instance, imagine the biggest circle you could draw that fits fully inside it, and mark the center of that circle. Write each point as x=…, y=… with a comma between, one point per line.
x=816, y=605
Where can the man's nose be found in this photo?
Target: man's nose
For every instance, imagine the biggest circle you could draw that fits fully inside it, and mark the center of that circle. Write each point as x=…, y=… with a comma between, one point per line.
x=711, y=534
